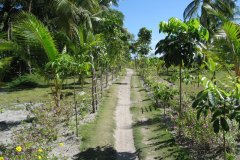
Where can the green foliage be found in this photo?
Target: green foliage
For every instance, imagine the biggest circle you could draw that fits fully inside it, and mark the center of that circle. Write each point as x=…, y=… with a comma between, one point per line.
x=8, y=45
x=232, y=32
x=144, y=36
x=182, y=42
x=228, y=41
x=62, y=66
x=199, y=130
x=222, y=104
x=27, y=81
x=188, y=78
x=5, y=64
x=164, y=92
x=143, y=42
x=211, y=65
x=30, y=30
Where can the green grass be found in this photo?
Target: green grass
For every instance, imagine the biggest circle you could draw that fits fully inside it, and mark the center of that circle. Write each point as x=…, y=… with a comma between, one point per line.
x=97, y=137
x=36, y=95
x=194, y=89
x=43, y=94
x=100, y=131
x=151, y=135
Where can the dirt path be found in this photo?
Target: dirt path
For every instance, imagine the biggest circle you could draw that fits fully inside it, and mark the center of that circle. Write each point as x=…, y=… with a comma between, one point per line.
x=124, y=142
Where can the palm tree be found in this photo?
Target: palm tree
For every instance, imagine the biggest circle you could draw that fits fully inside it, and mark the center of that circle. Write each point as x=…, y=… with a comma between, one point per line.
x=229, y=37
x=30, y=31
x=208, y=20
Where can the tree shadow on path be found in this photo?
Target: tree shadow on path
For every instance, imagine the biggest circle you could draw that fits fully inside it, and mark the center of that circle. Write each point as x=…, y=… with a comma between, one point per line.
x=104, y=153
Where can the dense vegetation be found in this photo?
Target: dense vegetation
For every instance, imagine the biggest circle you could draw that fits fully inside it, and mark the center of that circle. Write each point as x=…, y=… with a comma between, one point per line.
x=59, y=45
x=67, y=49
x=208, y=115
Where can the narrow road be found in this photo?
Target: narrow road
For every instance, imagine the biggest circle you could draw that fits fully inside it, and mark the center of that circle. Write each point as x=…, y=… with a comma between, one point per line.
x=124, y=142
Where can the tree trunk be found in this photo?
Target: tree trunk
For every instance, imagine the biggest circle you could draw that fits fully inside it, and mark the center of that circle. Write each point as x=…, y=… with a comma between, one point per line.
x=224, y=138
x=9, y=32
x=157, y=103
x=93, y=92
x=75, y=106
x=198, y=78
x=180, y=97
x=106, y=75
x=224, y=145
x=101, y=81
x=112, y=74
x=214, y=77
x=82, y=82
x=30, y=6
x=29, y=60
x=135, y=62
x=164, y=110
x=56, y=92
x=237, y=70
x=28, y=47
x=93, y=85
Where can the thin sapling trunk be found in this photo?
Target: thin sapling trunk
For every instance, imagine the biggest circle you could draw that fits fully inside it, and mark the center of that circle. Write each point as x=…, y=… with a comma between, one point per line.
x=75, y=106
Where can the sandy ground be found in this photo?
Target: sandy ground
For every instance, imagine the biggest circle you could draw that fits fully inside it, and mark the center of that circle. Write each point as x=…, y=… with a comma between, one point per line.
x=124, y=142
x=10, y=121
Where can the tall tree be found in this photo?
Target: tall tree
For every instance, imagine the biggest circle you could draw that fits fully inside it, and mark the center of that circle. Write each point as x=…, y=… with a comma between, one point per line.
x=144, y=40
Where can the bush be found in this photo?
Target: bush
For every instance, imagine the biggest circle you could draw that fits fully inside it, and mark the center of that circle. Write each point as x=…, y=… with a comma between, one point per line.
x=27, y=81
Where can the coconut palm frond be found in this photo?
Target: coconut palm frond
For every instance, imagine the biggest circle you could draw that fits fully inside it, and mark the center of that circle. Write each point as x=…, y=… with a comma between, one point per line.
x=8, y=46
x=232, y=32
x=31, y=31
x=191, y=9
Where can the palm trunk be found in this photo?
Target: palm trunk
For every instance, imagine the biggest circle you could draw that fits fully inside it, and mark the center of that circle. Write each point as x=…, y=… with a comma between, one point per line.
x=30, y=6
x=9, y=30
x=28, y=47
x=237, y=70
x=29, y=61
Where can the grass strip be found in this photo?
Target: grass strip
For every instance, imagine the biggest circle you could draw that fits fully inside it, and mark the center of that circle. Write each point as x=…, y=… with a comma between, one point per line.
x=152, y=137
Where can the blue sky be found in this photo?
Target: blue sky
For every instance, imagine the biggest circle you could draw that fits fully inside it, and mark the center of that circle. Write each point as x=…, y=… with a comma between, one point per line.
x=149, y=13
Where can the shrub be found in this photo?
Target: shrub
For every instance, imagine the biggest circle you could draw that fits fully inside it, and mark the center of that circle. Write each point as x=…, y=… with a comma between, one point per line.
x=27, y=81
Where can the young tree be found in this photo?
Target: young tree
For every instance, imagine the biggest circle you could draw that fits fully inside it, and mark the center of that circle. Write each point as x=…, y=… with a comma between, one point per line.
x=180, y=45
